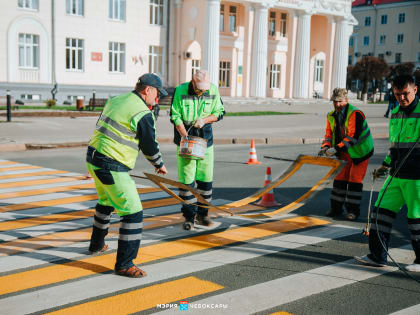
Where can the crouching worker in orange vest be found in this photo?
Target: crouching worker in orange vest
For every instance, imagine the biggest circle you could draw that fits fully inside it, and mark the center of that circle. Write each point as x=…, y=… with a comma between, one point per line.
x=348, y=137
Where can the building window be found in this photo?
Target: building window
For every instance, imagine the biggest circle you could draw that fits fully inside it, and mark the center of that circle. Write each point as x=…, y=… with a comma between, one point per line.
x=418, y=57
x=351, y=41
x=381, y=56
x=350, y=59
x=116, y=57
x=31, y=97
x=156, y=59
x=384, y=19
x=28, y=4
x=232, y=19
x=74, y=54
x=222, y=18
x=29, y=51
x=319, y=70
x=401, y=18
x=400, y=38
x=367, y=21
x=74, y=7
x=272, y=24
x=419, y=37
x=382, y=39
x=156, y=12
x=398, y=58
x=275, y=71
x=224, y=74
x=117, y=10
x=283, y=23
x=195, y=66
x=366, y=41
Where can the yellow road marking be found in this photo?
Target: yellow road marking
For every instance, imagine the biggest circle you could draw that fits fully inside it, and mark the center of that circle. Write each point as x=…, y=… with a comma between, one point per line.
x=18, y=168
x=7, y=162
x=281, y=313
x=145, y=298
x=81, y=214
x=66, y=238
x=61, y=201
x=41, y=181
x=30, y=174
x=43, y=191
x=104, y=263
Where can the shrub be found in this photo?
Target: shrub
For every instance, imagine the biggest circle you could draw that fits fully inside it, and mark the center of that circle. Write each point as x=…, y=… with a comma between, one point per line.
x=50, y=103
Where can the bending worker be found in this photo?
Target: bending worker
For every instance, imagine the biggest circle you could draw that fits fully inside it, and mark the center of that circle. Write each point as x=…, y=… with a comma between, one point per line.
x=347, y=136
x=195, y=106
x=402, y=187
x=125, y=126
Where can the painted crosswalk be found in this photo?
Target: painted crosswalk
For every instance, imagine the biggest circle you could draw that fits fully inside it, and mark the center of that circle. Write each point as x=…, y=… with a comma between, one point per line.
x=45, y=226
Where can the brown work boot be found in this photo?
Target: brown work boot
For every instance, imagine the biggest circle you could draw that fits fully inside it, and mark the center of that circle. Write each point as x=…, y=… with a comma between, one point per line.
x=204, y=219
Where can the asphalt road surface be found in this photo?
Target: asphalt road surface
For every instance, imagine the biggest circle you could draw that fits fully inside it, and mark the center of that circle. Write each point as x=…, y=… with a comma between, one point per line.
x=299, y=263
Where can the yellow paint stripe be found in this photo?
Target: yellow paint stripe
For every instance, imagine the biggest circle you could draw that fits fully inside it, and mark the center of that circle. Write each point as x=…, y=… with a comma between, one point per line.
x=66, y=238
x=18, y=168
x=61, y=217
x=20, y=175
x=281, y=313
x=7, y=162
x=61, y=201
x=42, y=181
x=45, y=191
x=145, y=298
x=104, y=263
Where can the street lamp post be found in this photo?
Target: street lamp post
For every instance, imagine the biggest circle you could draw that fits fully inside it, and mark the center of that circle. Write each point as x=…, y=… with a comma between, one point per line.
x=9, y=106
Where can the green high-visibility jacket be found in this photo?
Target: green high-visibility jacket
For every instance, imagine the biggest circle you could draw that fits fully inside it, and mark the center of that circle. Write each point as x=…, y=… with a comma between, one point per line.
x=404, y=130
x=358, y=149
x=188, y=107
x=116, y=130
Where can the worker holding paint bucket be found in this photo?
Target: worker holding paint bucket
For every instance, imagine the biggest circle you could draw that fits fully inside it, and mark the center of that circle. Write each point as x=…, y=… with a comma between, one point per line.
x=195, y=106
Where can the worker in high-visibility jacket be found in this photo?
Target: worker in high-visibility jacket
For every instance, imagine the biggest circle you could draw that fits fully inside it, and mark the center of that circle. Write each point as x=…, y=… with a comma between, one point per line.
x=126, y=125
x=402, y=186
x=195, y=106
x=347, y=136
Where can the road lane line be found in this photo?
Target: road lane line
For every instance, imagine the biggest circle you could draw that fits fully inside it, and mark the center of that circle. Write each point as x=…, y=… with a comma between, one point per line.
x=41, y=181
x=291, y=288
x=60, y=201
x=45, y=191
x=7, y=162
x=145, y=298
x=105, y=263
x=18, y=168
x=106, y=284
x=412, y=310
x=33, y=172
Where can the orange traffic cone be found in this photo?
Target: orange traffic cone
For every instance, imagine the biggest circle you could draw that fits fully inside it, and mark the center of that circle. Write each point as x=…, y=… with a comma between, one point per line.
x=267, y=199
x=253, y=154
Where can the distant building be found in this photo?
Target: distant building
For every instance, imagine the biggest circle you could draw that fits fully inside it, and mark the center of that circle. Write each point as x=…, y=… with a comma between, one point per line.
x=387, y=29
x=255, y=48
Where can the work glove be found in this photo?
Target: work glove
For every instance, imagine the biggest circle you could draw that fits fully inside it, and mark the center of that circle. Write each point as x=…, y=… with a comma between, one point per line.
x=381, y=171
x=322, y=151
x=199, y=123
x=331, y=152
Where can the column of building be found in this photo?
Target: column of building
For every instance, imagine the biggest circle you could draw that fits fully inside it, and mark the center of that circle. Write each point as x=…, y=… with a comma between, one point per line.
x=211, y=41
x=303, y=44
x=340, y=59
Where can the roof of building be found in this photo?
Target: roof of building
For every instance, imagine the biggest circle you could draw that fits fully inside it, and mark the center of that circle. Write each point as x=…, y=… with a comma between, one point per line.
x=360, y=3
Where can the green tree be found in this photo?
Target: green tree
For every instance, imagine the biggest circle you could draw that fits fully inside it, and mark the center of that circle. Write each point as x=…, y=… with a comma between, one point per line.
x=368, y=69
x=402, y=68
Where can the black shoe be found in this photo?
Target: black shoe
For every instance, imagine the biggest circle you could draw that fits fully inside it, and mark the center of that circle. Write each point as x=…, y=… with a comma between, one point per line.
x=188, y=224
x=351, y=216
x=333, y=213
x=204, y=220
x=386, y=116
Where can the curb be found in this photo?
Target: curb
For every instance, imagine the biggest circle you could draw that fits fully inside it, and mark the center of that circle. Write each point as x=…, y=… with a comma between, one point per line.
x=10, y=147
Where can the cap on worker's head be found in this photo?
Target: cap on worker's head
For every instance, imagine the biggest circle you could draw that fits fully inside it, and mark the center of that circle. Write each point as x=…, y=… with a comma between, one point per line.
x=151, y=79
x=202, y=80
x=339, y=94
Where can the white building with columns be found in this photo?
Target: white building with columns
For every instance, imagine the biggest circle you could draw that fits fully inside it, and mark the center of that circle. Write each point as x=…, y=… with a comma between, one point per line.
x=252, y=48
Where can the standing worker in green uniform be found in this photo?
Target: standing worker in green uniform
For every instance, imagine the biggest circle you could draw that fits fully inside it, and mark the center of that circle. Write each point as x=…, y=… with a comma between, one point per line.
x=125, y=126
x=195, y=106
x=402, y=187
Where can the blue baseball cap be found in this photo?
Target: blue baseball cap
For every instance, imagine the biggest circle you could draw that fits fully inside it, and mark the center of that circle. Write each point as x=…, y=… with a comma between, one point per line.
x=151, y=79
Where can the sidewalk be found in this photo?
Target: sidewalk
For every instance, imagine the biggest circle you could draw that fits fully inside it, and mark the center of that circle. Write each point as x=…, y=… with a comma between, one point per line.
x=24, y=133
